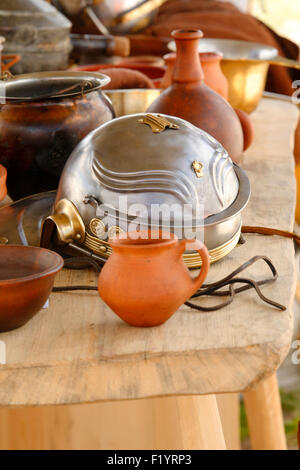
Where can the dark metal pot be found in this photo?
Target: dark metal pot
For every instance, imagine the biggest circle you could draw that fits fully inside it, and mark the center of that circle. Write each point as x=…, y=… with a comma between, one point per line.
x=44, y=117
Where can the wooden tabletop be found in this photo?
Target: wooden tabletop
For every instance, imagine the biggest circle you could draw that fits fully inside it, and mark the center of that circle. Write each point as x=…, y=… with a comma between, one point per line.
x=79, y=351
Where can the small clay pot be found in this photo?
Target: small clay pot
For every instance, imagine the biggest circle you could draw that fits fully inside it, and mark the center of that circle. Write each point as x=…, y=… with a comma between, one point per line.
x=213, y=75
x=3, y=189
x=191, y=99
x=211, y=66
x=145, y=280
x=26, y=281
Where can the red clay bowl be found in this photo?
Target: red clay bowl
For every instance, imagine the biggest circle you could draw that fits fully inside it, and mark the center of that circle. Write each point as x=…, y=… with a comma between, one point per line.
x=3, y=175
x=26, y=281
x=153, y=72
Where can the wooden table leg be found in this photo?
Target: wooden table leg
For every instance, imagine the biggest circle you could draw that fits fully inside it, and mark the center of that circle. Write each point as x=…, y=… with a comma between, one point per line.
x=200, y=423
x=169, y=423
x=229, y=409
x=264, y=415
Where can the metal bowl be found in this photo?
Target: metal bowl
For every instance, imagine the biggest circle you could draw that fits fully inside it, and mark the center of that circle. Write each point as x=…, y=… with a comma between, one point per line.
x=131, y=101
x=245, y=66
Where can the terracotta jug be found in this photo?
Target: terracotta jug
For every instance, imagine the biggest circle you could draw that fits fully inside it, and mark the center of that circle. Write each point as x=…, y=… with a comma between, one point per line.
x=189, y=98
x=214, y=79
x=145, y=280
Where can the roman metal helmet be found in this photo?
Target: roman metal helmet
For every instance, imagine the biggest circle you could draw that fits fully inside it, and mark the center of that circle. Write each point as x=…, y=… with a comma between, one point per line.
x=148, y=170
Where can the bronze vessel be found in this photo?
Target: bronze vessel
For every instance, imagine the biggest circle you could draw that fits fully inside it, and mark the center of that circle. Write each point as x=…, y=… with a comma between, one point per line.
x=43, y=117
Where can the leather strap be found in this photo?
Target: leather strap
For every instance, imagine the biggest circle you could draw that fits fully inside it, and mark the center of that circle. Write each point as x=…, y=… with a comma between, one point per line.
x=271, y=231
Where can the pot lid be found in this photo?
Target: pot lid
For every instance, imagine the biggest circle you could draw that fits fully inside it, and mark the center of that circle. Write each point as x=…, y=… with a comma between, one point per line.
x=39, y=13
x=159, y=159
x=21, y=221
x=50, y=85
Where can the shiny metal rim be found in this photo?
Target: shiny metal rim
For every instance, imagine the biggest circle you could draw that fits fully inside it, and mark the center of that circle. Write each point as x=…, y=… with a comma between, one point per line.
x=97, y=80
x=234, y=49
x=192, y=260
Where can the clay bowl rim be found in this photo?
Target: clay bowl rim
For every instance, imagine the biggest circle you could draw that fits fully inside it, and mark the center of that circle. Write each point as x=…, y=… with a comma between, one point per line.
x=31, y=277
x=102, y=67
x=128, y=90
x=141, y=59
x=120, y=241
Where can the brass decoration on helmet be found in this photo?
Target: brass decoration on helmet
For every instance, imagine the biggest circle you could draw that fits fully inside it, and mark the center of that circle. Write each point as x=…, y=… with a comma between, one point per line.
x=115, y=230
x=198, y=168
x=191, y=259
x=100, y=247
x=67, y=221
x=97, y=227
x=7, y=75
x=157, y=123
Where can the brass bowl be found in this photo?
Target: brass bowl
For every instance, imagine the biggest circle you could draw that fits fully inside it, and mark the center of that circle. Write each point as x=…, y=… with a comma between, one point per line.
x=247, y=81
x=245, y=66
x=132, y=101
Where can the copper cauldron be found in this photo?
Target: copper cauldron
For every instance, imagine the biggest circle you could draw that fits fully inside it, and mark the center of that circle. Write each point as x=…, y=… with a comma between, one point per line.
x=43, y=117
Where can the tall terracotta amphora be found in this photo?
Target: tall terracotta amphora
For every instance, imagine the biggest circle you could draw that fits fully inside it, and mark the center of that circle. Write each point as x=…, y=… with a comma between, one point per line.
x=189, y=98
x=145, y=280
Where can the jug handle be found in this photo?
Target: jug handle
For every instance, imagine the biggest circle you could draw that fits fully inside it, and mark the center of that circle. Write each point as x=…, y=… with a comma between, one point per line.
x=204, y=255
